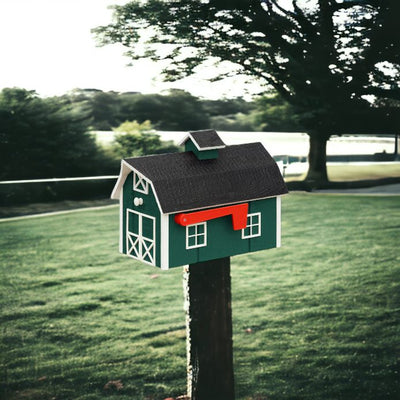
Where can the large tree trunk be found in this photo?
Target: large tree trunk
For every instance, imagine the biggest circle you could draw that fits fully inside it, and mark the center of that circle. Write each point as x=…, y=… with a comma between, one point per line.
x=317, y=172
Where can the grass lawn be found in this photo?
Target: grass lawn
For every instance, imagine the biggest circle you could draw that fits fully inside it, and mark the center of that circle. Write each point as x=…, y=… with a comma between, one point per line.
x=317, y=319
x=344, y=172
x=360, y=171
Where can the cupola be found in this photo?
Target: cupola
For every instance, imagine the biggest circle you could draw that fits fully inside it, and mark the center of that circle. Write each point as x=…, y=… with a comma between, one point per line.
x=204, y=144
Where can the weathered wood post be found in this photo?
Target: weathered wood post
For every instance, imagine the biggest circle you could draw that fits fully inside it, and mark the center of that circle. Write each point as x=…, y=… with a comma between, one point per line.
x=209, y=330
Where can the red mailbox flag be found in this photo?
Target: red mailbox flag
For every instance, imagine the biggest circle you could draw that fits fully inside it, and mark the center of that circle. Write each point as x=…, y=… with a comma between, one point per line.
x=238, y=212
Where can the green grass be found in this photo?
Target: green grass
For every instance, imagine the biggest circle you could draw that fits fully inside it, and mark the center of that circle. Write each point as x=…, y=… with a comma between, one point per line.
x=317, y=319
x=352, y=172
x=338, y=172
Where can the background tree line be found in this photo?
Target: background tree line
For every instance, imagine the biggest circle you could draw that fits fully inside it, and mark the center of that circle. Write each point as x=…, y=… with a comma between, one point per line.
x=178, y=110
x=45, y=137
x=50, y=137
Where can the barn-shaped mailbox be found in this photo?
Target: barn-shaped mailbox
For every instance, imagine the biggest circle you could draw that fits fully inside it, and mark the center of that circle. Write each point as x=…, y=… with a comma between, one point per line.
x=211, y=201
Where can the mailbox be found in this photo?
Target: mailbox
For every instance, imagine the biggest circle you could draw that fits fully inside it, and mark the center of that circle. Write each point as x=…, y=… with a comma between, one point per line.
x=208, y=202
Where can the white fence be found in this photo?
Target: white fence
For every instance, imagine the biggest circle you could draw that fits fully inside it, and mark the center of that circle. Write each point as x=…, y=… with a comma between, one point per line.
x=85, y=178
x=15, y=192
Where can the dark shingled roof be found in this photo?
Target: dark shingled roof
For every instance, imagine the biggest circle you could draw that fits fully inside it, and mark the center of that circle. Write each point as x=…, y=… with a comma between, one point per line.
x=207, y=139
x=182, y=182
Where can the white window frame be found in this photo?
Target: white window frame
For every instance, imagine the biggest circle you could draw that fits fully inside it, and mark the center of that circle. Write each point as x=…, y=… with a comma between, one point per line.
x=196, y=235
x=140, y=184
x=252, y=225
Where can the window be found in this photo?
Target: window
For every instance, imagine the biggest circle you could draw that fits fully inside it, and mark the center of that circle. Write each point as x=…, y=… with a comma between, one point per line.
x=196, y=235
x=140, y=184
x=253, y=228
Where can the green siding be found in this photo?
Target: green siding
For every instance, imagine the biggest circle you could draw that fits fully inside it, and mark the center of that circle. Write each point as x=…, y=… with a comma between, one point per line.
x=267, y=240
x=201, y=155
x=222, y=240
x=149, y=207
x=178, y=255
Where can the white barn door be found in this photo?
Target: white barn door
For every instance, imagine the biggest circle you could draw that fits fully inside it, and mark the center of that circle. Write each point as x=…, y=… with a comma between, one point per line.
x=141, y=236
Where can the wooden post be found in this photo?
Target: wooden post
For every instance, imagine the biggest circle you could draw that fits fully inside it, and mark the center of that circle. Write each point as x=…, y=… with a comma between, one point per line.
x=209, y=330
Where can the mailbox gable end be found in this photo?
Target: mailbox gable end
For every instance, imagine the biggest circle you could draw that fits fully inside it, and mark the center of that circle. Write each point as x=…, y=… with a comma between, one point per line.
x=140, y=220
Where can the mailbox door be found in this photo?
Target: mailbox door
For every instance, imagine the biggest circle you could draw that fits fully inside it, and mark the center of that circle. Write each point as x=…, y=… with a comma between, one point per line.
x=140, y=236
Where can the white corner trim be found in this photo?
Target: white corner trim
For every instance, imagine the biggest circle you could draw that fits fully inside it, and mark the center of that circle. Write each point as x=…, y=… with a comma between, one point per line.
x=124, y=172
x=278, y=221
x=164, y=245
x=121, y=223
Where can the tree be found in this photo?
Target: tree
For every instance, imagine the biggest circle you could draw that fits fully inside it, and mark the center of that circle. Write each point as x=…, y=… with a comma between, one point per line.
x=172, y=111
x=103, y=107
x=42, y=138
x=183, y=111
x=276, y=114
x=228, y=106
x=232, y=114
x=332, y=60
x=234, y=122
x=136, y=139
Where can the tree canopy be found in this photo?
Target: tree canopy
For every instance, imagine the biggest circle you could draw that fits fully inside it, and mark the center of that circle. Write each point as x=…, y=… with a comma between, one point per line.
x=337, y=62
x=135, y=139
x=174, y=110
x=43, y=138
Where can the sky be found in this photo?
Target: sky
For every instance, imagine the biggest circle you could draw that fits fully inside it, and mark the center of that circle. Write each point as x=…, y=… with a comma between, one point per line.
x=47, y=46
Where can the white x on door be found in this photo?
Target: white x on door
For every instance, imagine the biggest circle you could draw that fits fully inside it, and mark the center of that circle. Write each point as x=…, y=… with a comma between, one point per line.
x=140, y=236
